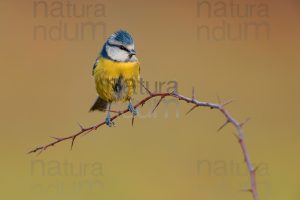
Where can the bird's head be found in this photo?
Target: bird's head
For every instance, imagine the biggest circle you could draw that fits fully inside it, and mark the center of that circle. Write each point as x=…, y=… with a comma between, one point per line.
x=120, y=47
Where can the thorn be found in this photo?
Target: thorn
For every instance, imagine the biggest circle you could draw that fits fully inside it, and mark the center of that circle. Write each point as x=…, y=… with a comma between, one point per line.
x=228, y=102
x=40, y=151
x=55, y=138
x=256, y=168
x=33, y=151
x=243, y=123
x=89, y=130
x=247, y=190
x=148, y=91
x=73, y=139
x=190, y=110
x=193, y=93
x=81, y=127
x=132, y=121
x=161, y=98
x=113, y=111
x=235, y=136
x=219, y=99
x=173, y=92
x=221, y=127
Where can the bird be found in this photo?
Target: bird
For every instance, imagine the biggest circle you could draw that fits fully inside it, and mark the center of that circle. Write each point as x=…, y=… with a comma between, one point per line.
x=116, y=73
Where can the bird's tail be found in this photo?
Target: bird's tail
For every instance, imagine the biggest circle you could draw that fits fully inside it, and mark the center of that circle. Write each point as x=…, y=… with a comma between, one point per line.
x=99, y=104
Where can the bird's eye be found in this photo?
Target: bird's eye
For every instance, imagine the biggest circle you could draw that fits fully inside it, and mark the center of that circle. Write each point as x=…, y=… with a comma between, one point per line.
x=123, y=48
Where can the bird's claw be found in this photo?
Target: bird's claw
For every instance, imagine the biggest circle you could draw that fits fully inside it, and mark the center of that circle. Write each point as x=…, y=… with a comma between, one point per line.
x=108, y=122
x=133, y=110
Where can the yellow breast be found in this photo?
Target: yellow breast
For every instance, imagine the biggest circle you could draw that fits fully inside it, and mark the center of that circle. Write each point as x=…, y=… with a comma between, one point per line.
x=116, y=80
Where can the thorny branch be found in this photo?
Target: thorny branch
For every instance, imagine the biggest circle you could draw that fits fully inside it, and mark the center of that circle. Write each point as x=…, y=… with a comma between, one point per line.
x=220, y=106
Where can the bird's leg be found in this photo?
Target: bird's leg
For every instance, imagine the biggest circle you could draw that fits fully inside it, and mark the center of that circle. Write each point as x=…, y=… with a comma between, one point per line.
x=131, y=108
x=108, y=121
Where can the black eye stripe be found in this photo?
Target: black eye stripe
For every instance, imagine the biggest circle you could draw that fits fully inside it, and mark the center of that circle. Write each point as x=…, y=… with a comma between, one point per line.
x=124, y=48
x=119, y=46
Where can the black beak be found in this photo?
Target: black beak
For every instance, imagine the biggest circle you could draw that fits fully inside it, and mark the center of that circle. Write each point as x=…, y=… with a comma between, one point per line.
x=131, y=53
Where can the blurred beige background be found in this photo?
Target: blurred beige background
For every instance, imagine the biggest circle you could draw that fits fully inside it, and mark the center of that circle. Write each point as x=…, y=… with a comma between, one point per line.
x=46, y=88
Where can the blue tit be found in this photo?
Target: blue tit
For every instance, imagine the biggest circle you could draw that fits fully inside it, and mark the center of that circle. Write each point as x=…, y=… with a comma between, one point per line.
x=116, y=73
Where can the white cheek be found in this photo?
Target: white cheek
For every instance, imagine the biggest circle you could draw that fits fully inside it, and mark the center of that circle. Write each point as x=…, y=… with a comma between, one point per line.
x=117, y=54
